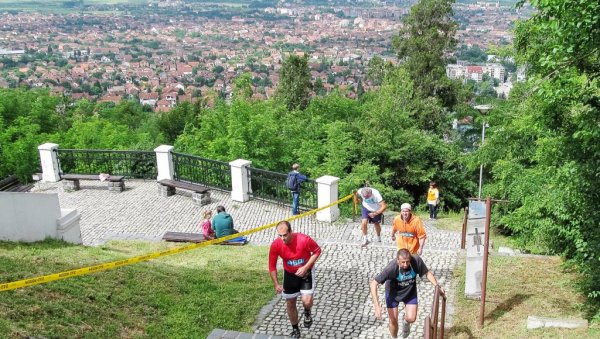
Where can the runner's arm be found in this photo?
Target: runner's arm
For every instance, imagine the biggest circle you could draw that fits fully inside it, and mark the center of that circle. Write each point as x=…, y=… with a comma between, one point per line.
x=278, y=288
x=421, y=245
x=376, y=306
x=433, y=280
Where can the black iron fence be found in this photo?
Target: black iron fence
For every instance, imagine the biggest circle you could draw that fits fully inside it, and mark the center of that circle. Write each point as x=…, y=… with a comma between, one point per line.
x=131, y=164
x=198, y=170
x=272, y=186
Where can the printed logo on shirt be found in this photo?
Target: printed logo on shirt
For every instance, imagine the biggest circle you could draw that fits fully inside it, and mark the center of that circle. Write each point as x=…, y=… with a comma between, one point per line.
x=407, y=235
x=406, y=278
x=370, y=200
x=297, y=262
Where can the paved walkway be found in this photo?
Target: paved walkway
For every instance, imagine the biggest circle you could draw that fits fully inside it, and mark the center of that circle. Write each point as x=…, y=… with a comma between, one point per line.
x=342, y=306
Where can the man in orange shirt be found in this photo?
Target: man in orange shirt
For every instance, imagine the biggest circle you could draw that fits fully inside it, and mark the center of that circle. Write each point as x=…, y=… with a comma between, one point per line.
x=411, y=233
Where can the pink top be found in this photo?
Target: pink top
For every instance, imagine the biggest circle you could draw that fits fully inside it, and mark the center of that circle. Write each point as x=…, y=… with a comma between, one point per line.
x=206, y=230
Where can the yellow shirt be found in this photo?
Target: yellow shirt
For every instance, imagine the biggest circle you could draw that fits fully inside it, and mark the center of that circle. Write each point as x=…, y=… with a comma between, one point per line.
x=432, y=196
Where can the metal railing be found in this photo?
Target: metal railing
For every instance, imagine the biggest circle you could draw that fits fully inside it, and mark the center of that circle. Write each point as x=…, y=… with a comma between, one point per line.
x=198, y=170
x=271, y=186
x=431, y=325
x=131, y=164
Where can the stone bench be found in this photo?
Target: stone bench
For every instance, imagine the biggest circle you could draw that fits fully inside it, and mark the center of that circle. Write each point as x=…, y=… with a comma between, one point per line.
x=200, y=194
x=71, y=181
x=12, y=184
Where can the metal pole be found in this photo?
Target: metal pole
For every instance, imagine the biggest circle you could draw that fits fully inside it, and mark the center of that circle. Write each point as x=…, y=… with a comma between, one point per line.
x=488, y=206
x=481, y=166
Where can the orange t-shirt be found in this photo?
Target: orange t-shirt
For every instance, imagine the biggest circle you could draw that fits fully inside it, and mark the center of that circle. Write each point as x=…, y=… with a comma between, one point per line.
x=409, y=233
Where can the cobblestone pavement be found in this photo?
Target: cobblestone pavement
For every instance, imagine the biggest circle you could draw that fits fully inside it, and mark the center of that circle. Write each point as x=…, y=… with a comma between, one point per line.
x=342, y=305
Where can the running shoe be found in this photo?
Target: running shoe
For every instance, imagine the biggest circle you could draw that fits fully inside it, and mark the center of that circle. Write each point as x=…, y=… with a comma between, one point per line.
x=295, y=333
x=308, y=320
x=379, y=239
x=405, y=328
x=365, y=242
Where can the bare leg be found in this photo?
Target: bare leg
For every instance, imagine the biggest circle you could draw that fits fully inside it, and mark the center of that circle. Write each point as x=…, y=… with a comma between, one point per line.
x=410, y=313
x=364, y=224
x=307, y=301
x=292, y=311
x=378, y=229
x=393, y=326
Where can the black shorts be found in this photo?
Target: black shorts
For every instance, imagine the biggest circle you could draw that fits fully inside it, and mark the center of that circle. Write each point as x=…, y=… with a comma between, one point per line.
x=294, y=285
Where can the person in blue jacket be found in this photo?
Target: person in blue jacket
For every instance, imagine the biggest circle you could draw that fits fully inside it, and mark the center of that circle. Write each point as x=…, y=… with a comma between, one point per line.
x=294, y=181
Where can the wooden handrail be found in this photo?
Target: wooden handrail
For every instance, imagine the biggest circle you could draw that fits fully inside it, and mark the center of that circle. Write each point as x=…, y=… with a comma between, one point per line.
x=463, y=236
x=431, y=324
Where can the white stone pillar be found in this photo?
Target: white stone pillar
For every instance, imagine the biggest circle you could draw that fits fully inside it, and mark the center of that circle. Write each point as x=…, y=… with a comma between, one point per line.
x=240, y=182
x=164, y=162
x=327, y=192
x=49, y=161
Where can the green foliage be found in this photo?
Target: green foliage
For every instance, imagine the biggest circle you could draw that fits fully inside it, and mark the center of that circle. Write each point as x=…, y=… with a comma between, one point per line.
x=243, y=86
x=561, y=34
x=294, y=83
x=426, y=37
x=547, y=165
x=472, y=54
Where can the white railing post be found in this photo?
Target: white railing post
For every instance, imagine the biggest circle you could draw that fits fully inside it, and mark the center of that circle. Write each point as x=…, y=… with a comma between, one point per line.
x=327, y=192
x=240, y=182
x=164, y=162
x=49, y=162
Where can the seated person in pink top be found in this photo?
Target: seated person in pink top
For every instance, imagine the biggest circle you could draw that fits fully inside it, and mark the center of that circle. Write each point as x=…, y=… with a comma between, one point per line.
x=207, y=231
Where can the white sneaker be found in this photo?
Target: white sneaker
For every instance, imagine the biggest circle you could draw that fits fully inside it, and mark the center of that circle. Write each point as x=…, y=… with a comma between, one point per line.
x=405, y=328
x=365, y=242
x=379, y=239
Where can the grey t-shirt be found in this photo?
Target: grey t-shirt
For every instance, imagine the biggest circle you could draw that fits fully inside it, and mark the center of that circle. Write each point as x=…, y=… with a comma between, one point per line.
x=402, y=283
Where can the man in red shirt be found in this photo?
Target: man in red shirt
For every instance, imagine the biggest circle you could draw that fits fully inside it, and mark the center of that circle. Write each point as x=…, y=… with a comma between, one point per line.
x=299, y=253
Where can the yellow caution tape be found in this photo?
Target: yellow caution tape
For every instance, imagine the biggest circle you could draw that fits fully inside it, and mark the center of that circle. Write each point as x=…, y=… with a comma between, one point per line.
x=119, y=263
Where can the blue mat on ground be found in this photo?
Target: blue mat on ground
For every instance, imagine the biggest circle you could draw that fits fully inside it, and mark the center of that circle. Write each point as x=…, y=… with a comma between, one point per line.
x=239, y=241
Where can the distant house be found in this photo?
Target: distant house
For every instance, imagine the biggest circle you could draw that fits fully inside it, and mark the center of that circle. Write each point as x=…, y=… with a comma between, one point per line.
x=475, y=73
x=163, y=106
x=149, y=99
x=111, y=98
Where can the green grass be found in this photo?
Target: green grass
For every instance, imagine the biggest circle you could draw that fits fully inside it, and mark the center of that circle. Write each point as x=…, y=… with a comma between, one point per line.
x=185, y=295
x=517, y=288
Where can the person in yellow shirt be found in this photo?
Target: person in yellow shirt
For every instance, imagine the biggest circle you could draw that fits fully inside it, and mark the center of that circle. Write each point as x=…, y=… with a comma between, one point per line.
x=433, y=200
x=411, y=233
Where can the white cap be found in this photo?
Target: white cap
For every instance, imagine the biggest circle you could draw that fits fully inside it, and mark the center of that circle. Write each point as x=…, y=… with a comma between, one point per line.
x=405, y=206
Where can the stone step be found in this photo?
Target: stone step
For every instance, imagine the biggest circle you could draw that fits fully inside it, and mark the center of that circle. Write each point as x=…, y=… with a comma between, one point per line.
x=218, y=333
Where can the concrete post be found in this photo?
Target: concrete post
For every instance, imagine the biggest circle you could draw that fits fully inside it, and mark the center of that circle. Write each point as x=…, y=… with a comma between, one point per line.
x=327, y=192
x=49, y=161
x=240, y=182
x=164, y=162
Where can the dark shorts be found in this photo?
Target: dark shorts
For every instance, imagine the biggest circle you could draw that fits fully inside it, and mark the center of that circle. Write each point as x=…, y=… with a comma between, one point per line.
x=294, y=285
x=410, y=299
x=365, y=215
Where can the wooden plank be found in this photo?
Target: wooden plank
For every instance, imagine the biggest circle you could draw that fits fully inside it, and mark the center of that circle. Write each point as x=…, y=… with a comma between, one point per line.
x=111, y=178
x=8, y=182
x=185, y=185
x=183, y=237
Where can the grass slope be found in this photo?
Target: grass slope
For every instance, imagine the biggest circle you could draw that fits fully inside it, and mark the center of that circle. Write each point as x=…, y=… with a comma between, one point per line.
x=180, y=296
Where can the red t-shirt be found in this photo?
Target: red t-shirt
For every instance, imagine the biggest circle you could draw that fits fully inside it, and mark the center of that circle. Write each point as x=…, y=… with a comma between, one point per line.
x=294, y=255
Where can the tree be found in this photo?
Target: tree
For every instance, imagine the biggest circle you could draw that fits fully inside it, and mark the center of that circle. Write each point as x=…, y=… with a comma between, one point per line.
x=378, y=69
x=294, y=82
x=243, y=86
x=547, y=164
x=426, y=38
x=318, y=87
